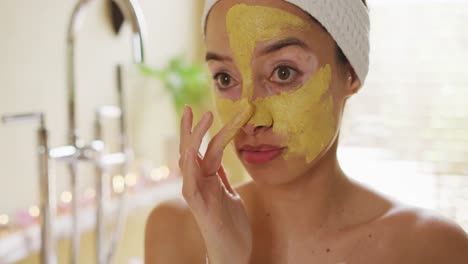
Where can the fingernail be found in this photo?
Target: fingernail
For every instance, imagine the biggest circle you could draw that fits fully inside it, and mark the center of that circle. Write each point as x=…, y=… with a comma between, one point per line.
x=185, y=109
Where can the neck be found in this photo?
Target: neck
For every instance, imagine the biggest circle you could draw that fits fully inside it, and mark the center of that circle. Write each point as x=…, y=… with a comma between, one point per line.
x=309, y=205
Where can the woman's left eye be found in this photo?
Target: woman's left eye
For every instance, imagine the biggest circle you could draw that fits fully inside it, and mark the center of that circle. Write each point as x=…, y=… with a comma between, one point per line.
x=283, y=74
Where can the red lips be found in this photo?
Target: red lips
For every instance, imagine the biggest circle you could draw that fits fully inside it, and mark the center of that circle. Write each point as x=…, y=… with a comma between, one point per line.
x=260, y=154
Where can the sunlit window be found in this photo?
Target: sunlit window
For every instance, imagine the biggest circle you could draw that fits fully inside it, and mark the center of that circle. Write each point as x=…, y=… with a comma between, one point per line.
x=406, y=132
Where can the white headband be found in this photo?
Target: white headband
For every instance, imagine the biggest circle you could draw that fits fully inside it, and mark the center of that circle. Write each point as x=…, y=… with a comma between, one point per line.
x=347, y=21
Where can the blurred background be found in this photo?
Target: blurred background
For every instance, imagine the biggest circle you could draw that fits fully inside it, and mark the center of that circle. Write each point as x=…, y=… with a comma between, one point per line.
x=405, y=133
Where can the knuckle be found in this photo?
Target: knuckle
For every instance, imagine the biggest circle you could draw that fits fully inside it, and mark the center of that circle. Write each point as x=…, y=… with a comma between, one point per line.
x=189, y=194
x=186, y=193
x=211, y=165
x=214, y=140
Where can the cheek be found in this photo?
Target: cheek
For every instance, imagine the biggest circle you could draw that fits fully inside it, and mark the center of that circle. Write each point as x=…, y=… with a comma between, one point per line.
x=317, y=128
x=305, y=117
x=228, y=103
x=227, y=108
x=338, y=93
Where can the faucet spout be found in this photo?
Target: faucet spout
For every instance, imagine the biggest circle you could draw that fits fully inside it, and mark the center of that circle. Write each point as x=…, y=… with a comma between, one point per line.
x=134, y=16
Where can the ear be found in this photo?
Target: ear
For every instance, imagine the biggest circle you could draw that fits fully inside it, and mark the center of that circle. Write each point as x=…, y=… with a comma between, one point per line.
x=352, y=82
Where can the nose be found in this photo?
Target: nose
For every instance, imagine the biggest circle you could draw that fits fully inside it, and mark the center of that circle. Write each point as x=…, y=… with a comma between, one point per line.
x=248, y=129
x=260, y=121
x=252, y=130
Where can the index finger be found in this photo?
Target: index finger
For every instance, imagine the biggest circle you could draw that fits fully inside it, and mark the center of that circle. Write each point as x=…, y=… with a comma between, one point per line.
x=185, y=128
x=213, y=155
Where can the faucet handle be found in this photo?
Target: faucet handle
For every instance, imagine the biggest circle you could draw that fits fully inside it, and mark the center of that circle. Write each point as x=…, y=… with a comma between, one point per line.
x=20, y=117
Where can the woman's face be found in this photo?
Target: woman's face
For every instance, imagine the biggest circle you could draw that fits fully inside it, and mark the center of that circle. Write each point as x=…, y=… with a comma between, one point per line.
x=272, y=55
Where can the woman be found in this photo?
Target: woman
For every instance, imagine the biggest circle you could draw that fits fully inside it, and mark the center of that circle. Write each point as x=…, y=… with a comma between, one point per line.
x=282, y=72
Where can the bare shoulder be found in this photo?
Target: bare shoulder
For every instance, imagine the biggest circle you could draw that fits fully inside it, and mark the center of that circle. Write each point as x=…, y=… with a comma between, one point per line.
x=171, y=234
x=424, y=236
x=408, y=234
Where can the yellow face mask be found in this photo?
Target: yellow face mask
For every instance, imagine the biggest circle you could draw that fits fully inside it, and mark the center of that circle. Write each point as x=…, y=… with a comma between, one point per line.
x=303, y=116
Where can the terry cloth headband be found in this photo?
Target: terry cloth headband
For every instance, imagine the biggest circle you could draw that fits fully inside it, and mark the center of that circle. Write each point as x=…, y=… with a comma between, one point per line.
x=347, y=21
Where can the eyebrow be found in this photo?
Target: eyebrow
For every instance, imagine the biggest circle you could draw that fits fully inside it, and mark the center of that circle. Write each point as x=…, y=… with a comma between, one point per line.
x=213, y=56
x=283, y=44
x=267, y=50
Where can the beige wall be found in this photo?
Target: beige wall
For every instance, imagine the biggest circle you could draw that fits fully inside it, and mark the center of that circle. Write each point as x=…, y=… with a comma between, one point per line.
x=32, y=76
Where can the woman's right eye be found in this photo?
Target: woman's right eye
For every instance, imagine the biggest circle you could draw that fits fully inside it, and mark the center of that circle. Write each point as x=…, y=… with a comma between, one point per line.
x=223, y=81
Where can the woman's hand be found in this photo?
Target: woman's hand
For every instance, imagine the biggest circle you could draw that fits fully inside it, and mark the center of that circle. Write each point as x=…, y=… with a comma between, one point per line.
x=217, y=208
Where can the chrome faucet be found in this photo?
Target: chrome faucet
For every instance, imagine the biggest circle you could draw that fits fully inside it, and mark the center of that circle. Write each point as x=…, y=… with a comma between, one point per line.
x=46, y=186
x=132, y=14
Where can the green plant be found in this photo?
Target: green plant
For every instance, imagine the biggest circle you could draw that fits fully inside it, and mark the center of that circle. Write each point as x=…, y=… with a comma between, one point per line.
x=188, y=83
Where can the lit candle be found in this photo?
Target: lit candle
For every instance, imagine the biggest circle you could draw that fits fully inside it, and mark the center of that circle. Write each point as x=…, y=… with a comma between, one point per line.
x=131, y=179
x=4, y=219
x=66, y=197
x=118, y=183
x=34, y=211
x=160, y=173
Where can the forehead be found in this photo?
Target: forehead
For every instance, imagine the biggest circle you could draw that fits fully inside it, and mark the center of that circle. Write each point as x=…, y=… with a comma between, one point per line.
x=221, y=7
x=216, y=34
